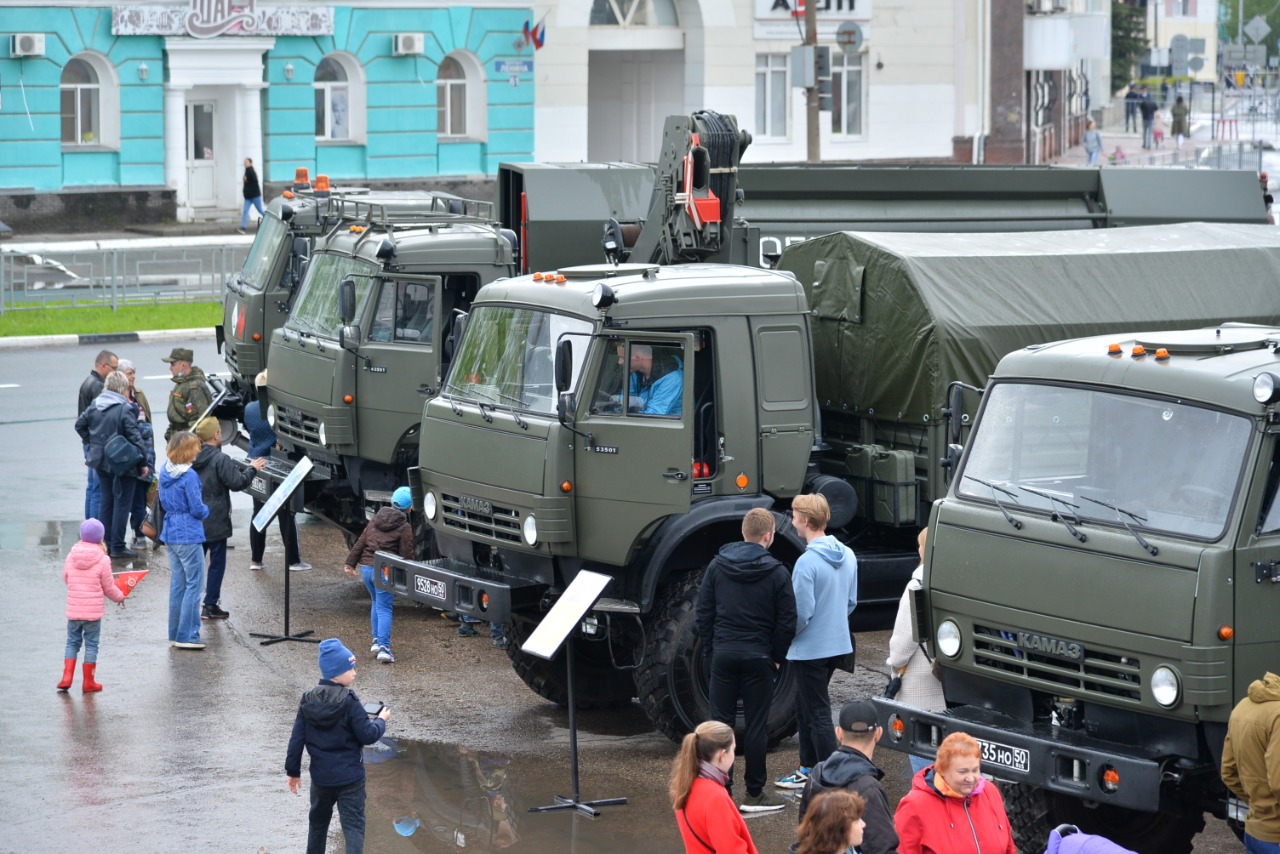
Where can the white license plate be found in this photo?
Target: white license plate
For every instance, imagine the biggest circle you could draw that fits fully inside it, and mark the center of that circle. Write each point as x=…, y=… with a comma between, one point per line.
x=1013, y=758
x=429, y=587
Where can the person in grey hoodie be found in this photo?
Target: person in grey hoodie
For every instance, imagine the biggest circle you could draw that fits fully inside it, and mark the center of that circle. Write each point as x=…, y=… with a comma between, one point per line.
x=746, y=617
x=825, y=581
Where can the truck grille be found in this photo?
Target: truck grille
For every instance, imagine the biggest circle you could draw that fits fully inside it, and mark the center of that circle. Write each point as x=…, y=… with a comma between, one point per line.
x=1104, y=673
x=294, y=424
x=461, y=513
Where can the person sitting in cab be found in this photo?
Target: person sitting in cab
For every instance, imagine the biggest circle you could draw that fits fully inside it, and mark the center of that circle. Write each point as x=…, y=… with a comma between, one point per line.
x=656, y=385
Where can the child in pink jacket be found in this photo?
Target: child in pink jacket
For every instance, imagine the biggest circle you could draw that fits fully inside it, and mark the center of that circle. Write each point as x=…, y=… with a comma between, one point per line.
x=87, y=572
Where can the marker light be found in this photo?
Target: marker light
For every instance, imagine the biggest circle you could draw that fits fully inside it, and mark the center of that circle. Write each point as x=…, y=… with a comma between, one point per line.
x=1139, y=351
x=741, y=481
x=348, y=398
x=1226, y=632
x=566, y=486
x=537, y=277
x=356, y=229
x=301, y=177
x=1266, y=388
x=483, y=600
x=948, y=639
x=288, y=194
x=257, y=336
x=1110, y=778
x=1114, y=350
x=1162, y=355
x=530, y=530
x=429, y=505
x=321, y=189
x=1164, y=686
x=897, y=728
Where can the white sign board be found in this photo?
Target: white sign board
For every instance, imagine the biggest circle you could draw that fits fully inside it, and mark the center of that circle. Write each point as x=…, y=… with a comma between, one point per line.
x=565, y=614
x=281, y=494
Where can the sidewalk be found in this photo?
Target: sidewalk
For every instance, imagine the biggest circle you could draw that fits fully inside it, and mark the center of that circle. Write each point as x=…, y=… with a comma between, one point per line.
x=1130, y=142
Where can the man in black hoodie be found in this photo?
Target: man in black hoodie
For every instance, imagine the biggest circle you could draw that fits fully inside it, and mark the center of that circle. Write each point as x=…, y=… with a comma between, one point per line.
x=747, y=617
x=851, y=768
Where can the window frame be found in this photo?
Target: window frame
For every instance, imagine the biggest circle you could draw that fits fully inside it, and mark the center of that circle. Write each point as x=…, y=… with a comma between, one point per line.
x=475, y=105
x=356, y=91
x=764, y=95
x=106, y=136
x=840, y=69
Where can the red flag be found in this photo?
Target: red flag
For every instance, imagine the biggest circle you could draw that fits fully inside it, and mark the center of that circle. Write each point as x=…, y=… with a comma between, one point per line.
x=126, y=581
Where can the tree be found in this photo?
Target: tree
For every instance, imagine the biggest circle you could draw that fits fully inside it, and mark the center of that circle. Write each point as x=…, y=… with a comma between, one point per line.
x=1128, y=42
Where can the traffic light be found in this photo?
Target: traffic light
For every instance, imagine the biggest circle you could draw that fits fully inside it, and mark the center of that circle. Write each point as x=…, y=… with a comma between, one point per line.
x=822, y=70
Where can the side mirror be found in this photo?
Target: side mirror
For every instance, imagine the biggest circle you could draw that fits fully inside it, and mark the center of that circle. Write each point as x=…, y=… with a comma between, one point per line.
x=459, y=329
x=564, y=406
x=564, y=365
x=349, y=337
x=301, y=248
x=951, y=460
x=347, y=301
x=955, y=403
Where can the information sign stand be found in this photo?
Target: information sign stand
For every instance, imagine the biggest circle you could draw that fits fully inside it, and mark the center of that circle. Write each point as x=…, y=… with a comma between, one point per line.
x=555, y=631
x=282, y=494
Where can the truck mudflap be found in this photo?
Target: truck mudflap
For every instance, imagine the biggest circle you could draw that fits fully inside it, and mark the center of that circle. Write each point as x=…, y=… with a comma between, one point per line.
x=1054, y=758
x=451, y=586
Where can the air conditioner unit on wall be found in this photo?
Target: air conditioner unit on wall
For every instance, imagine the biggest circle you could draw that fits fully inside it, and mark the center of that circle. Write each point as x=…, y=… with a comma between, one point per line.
x=407, y=44
x=26, y=44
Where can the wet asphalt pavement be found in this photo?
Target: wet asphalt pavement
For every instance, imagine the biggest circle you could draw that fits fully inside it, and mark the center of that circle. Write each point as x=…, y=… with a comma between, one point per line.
x=184, y=750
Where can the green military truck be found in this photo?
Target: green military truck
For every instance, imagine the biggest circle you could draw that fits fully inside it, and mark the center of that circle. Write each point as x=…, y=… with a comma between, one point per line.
x=1099, y=577
x=367, y=340
x=828, y=375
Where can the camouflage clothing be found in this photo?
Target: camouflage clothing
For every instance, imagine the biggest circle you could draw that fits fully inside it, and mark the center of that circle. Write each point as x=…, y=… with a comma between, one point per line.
x=187, y=402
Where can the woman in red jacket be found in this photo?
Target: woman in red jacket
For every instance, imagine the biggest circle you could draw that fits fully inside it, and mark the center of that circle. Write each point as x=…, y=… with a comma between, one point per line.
x=951, y=809
x=708, y=818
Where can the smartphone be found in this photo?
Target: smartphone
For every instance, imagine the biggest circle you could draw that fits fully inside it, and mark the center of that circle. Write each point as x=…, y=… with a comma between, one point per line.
x=373, y=709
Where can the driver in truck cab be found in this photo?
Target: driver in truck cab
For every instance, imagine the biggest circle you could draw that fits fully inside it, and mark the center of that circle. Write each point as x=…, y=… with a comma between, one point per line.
x=656, y=381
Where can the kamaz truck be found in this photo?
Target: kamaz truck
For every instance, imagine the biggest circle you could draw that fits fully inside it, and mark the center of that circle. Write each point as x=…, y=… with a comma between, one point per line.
x=367, y=340
x=829, y=375
x=1100, y=576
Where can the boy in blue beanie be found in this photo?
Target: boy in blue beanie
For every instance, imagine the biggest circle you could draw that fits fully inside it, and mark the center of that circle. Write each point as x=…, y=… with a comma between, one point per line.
x=333, y=726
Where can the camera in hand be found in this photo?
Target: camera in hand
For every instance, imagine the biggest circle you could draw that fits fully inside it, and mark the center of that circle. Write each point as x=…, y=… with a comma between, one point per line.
x=374, y=709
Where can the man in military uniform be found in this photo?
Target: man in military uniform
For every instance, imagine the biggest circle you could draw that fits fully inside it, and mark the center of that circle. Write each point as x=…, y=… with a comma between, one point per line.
x=190, y=396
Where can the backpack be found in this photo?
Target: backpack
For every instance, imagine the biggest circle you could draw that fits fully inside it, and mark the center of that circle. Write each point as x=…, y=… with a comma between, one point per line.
x=120, y=456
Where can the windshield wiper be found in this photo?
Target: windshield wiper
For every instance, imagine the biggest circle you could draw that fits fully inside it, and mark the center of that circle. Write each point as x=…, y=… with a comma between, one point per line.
x=1060, y=517
x=1120, y=511
x=484, y=413
x=453, y=404
x=515, y=401
x=994, y=488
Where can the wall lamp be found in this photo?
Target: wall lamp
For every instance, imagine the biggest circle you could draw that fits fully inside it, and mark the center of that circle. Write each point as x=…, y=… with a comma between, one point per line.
x=143, y=71
x=288, y=71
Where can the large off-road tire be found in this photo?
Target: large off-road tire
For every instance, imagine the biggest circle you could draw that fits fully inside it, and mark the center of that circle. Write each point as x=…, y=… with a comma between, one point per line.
x=1034, y=812
x=673, y=680
x=597, y=683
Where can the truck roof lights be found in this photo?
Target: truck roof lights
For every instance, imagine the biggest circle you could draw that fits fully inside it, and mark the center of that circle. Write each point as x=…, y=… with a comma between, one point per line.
x=321, y=190
x=1115, y=350
x=1162, y=355
x=1138, y=351
x=356, y=229
x=301, y=178
x=603, y=297
x=1266, y=388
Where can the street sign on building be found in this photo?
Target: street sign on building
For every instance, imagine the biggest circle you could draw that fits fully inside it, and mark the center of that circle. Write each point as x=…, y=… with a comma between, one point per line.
x=849, y=37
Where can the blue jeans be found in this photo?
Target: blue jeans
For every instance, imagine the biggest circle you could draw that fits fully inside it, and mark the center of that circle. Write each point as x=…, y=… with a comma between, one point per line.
x=380, y=611
x=117, y=500
x=217, y=552
x=186, y=565
x=89, y=631
x=1257, y=846
x=255, y=202
x=92, y=493
x=350, y=801
x=918, y=764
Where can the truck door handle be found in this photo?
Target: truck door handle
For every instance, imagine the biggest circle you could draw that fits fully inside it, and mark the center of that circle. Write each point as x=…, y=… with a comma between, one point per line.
x=675, y=474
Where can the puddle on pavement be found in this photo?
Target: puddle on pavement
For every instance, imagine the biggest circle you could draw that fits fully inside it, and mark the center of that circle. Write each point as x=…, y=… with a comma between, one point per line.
x=430, y=796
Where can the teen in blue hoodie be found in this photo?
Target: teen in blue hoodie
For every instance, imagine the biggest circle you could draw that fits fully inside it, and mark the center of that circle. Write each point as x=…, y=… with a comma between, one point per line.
x=825, y=581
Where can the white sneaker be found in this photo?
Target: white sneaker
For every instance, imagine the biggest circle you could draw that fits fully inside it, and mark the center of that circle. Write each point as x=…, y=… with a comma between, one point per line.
x=300, y=566
x=376, y=646
x=385, y=656
x=255, y=564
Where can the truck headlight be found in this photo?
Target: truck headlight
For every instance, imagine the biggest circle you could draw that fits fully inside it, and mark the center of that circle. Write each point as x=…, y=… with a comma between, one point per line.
x=948, y=639
x=530, y=530
x=429, y=505
x=271, y=415
x=1165, y=687
x=321, y=436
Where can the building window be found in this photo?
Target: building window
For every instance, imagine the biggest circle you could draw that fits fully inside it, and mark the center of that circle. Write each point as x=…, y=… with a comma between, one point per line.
x=848, y=98
x=81, y=104
x=771, y=94
x=451, y=98
x=333, y=101
x=634, y=13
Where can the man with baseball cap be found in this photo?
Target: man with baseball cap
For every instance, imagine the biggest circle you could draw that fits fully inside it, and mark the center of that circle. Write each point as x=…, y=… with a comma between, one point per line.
x=190, y=397
x=851, y=768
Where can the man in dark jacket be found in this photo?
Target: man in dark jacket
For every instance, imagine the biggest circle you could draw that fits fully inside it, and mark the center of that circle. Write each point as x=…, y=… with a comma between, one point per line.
x=219, y=476
x=110, y=415
x=746, y=617
x=105, y=363
x=1131, y=100
x=851, y=768
x=1147, y=107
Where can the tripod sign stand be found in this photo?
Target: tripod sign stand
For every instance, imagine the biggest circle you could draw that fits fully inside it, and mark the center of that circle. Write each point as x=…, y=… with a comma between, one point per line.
x=282, y=494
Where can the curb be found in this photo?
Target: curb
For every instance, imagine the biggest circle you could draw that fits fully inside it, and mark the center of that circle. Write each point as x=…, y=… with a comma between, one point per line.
x=36, y=341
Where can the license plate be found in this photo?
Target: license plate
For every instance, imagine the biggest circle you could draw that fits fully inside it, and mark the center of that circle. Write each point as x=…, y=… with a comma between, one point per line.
x=1013, y=758
x=429, y=587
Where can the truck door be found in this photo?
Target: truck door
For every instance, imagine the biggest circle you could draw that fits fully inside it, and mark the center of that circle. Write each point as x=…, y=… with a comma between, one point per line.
x=1257, y=595
x=400, y=353
x=638, y=408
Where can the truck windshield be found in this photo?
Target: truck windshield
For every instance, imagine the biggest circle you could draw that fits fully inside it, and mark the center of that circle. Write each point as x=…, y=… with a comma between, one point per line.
x=265, y=251
x=507, y=357
x=1113, y=459
x=316, y=310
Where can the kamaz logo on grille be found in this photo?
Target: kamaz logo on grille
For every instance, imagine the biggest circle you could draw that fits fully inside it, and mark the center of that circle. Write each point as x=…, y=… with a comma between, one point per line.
x=1050, y=646
x=475, y=505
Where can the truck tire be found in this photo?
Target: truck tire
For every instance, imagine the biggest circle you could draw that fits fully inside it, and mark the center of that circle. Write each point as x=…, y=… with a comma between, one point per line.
x=672, y=681
x=1033, y=812
x=598, y=684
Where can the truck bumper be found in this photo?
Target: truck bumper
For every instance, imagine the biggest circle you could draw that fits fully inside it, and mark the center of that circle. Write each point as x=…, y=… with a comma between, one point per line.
x=451, y=586
x=1070, y=762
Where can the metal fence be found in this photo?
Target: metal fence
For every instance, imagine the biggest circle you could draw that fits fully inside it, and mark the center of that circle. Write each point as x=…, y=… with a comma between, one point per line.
x=117, y=272
x=1240, y=156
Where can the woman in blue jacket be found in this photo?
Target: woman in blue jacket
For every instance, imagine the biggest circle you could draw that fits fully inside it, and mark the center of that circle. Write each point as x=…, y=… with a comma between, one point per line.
x=183, y=535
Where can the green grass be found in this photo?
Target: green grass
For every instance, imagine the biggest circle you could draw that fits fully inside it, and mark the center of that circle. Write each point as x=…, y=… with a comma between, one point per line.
x=101, y=319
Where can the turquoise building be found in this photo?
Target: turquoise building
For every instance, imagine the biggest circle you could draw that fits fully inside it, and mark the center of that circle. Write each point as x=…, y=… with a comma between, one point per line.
x=174, y=96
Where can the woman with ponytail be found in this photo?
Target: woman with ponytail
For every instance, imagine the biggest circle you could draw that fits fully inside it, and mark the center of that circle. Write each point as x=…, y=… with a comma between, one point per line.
x=708, y=818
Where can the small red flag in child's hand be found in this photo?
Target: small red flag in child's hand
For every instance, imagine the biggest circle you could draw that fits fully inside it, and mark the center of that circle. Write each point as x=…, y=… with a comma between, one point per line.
x=126, y=581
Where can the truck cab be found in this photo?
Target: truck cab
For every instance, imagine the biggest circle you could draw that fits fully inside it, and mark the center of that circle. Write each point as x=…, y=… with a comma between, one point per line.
x=367, y=341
